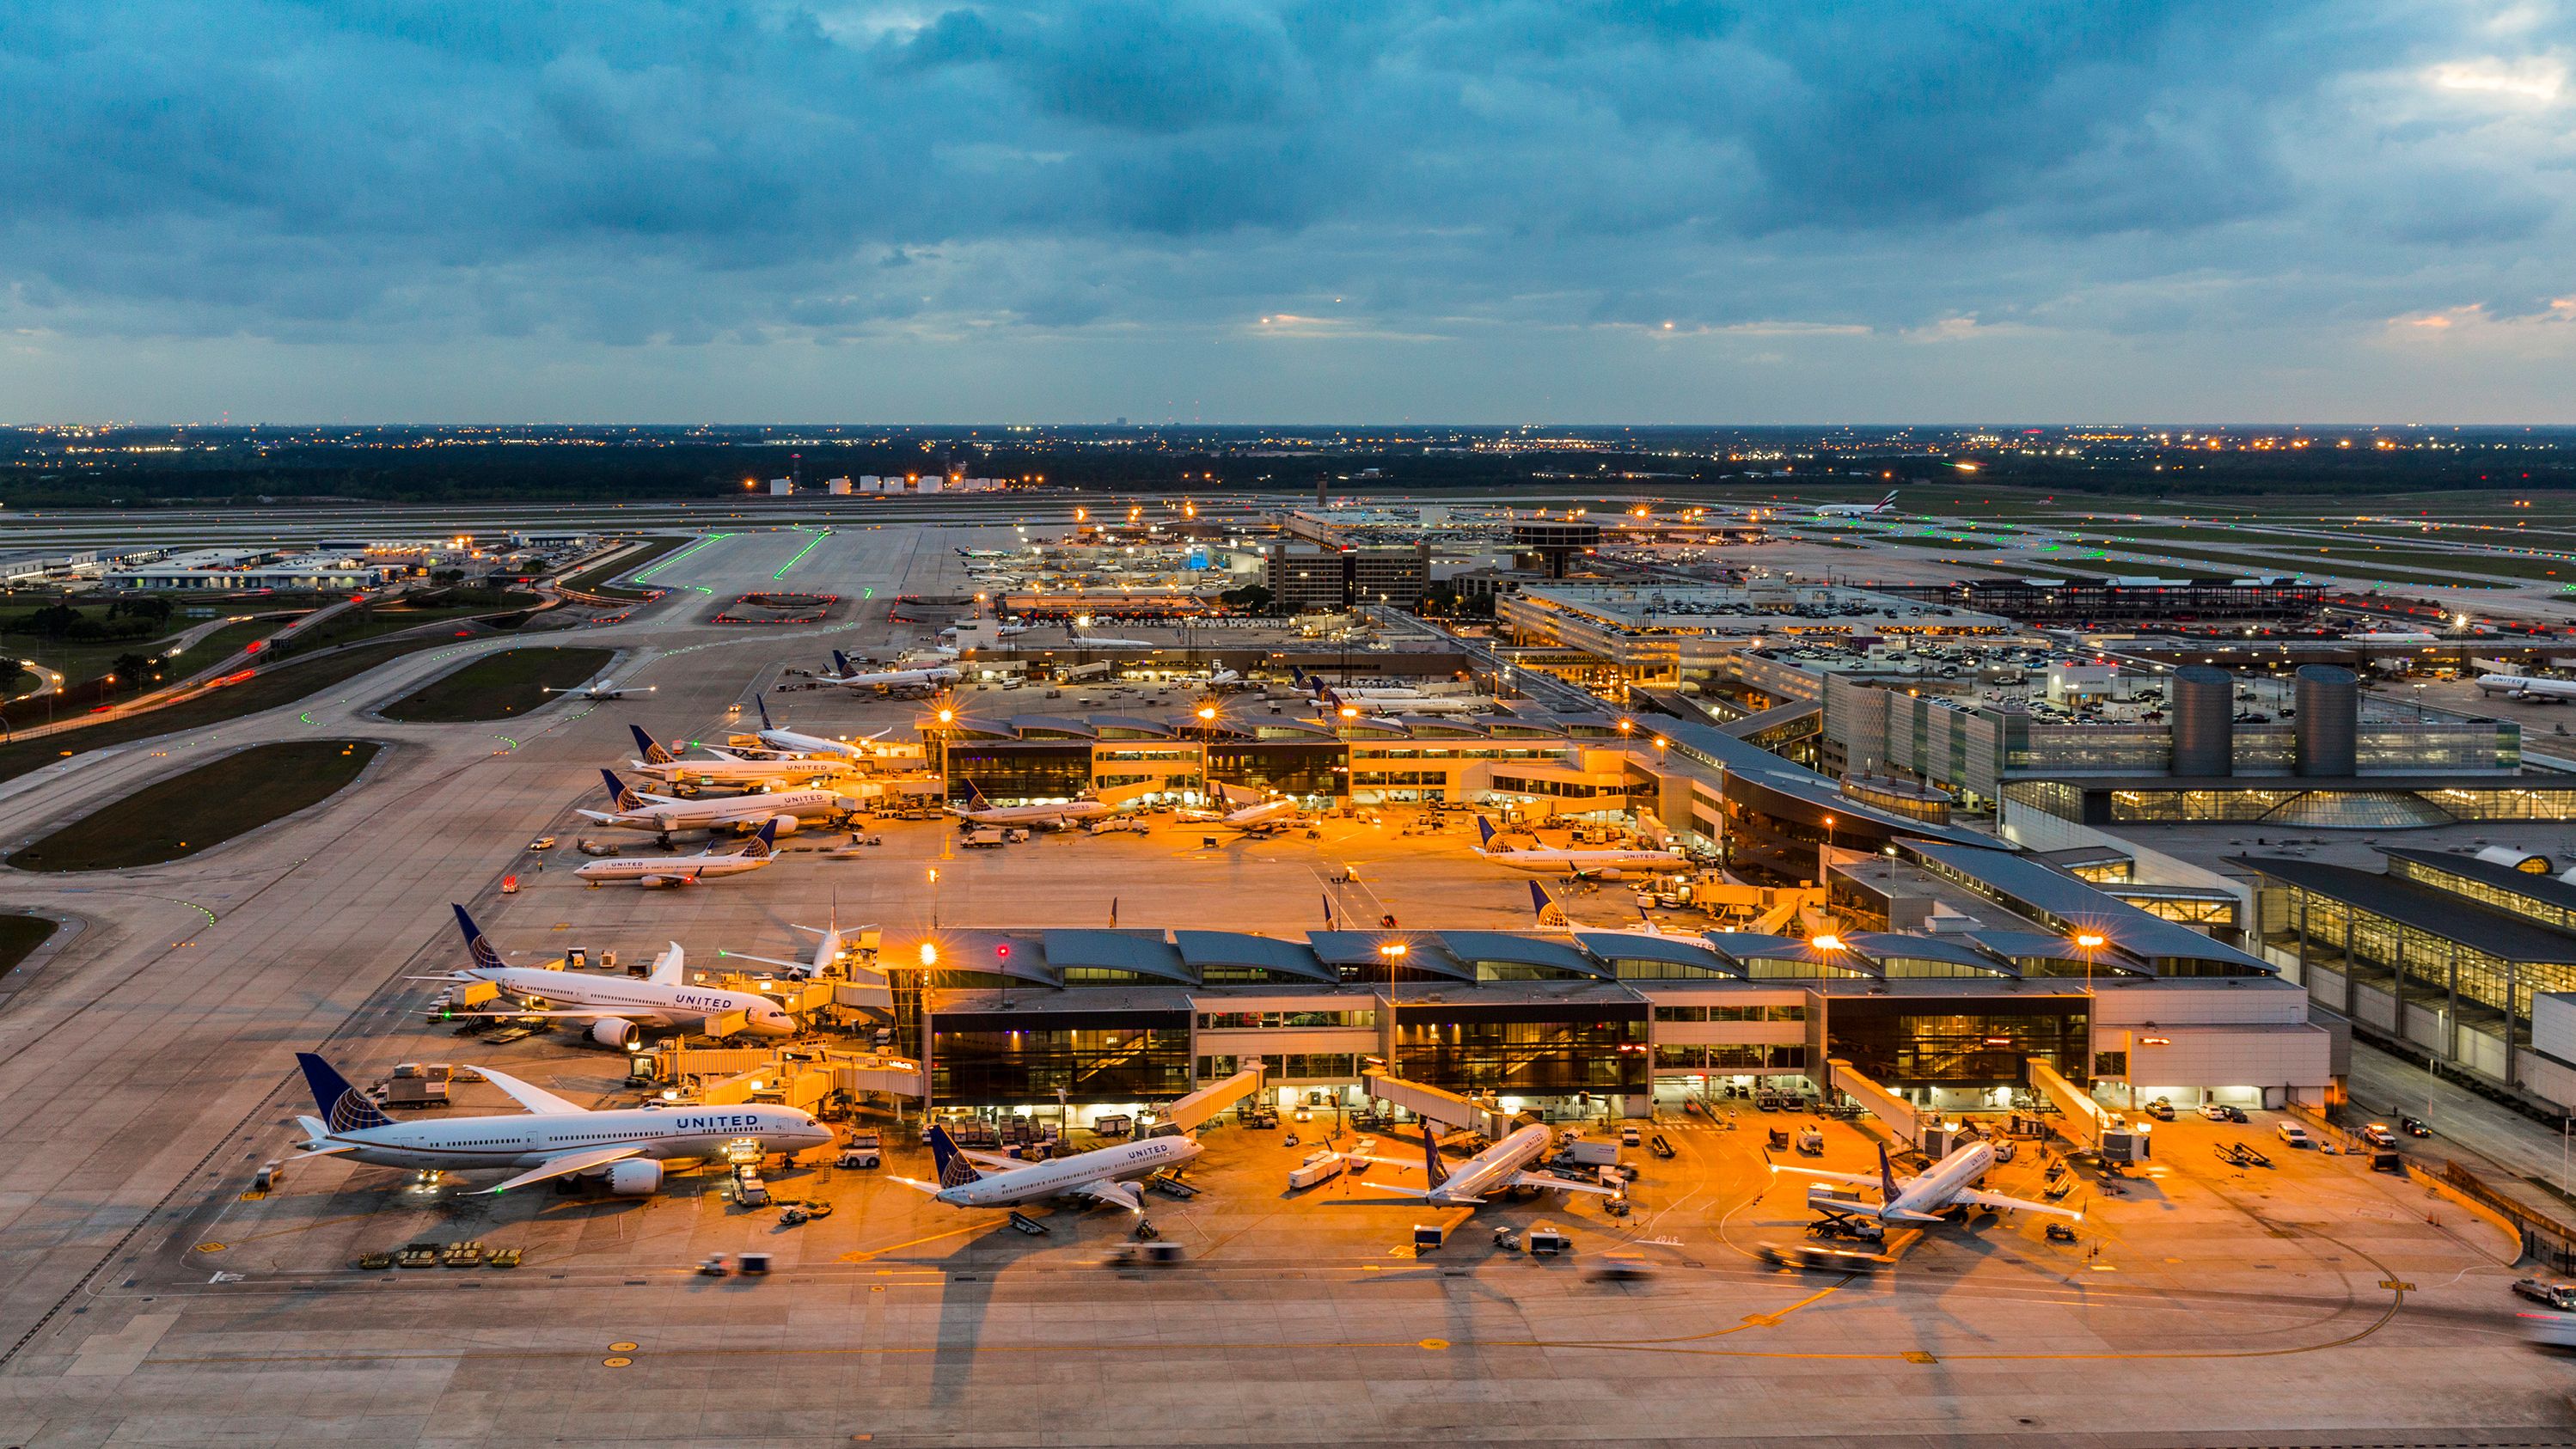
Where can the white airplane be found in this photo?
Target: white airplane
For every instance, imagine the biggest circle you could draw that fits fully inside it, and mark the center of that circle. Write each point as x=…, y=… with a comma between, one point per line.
x=1080, y=637
x=1498, y=1168
x=616, y=1008
x=980, y=812
x=1587, y=864
x=789, y=742
x=633, y=809
x=728, y=768
x=1858, y=510
x=827, y=952
x=680, y=870
x=555, y=1138
x=2394, y=636
x=935, y=677
x=1251, y=814
x=1104, y=1174
x=604, y=689
x=2517, y=686
x=1948, y=1183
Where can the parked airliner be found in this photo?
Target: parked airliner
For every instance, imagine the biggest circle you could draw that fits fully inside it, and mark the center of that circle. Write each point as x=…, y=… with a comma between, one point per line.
x=1498, y=1168
x=554, y=1138
x=1104, y=1174
x=632, y=809
x=616, y=1008
x=1948, y=1183
x=679, y=870
x=1588, y=864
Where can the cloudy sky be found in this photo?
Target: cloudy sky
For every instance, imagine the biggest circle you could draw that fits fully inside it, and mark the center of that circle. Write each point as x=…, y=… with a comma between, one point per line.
x=1811, y=210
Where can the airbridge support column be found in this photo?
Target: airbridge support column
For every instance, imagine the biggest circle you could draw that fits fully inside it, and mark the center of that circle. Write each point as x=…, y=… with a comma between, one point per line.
x=2084, y=1118
x=1446, y=1108
x=1883, y=1104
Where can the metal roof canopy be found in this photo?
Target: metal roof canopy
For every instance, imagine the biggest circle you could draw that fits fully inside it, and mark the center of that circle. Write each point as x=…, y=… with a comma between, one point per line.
x=2429, y=909
x=1422, y=951
x=981, y=951
x=1063, y=724
x=1145, y=953
x=1543, y=951
x=2047, y=946
x=1881, y=946
x=2548, y=890
x=1748, y=948
x=1670, y=950
x=2028, y=884
x=1202, y=949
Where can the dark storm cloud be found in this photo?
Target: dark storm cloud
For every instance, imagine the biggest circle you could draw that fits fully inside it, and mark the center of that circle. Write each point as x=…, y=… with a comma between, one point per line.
x=632, y=171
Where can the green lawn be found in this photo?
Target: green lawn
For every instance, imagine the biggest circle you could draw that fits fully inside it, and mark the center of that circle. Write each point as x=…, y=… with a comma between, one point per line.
x=595, y=580
x=268, y=689
x=175, y=818
x=19, y=938
x=498, y=686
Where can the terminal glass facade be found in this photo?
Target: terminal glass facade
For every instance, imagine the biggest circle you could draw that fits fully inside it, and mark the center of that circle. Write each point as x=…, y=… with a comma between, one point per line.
x=1127, y=1057
x=1924, y=1043
x=1524, y=1052
x=1290, y=769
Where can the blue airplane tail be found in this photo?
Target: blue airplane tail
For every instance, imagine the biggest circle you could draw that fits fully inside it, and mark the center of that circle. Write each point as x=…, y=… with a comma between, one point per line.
x=478, y=947
x=344, y=1107
x=763, y=702
x=1432, y=1167
x=619, y=797
x=1484, y=830
x=654, y=754
x=764, y=842
x=841, y=662
x=954, y=1169
x=1886, y=1176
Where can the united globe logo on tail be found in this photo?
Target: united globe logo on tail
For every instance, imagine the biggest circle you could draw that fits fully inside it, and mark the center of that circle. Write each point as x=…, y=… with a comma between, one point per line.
x=477, y=946
x=954, y=1169
x=344, y=1108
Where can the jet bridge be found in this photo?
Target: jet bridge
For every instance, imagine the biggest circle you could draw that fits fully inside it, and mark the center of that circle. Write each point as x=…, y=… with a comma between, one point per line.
x=1432, y=1104
x=2085, y=1118
x=1883, y=1104
x=1196, y=1108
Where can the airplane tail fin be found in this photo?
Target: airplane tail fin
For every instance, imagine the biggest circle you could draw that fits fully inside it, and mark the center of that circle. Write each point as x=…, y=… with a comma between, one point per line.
x=763, y=702
x=841, y=662
x=619, y=797
x=1485, y=830
x=1886, y=1176
x=1544, y=906
x=478, y=947
x=975, y=798
x=765, y=843
x=954, y=1169
x=344, y=1107
x=1433, y=1169
x=654, y=754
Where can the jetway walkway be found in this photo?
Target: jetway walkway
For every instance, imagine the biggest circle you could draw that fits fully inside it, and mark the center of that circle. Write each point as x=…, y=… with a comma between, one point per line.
x=2085, y=1118
x=1886, y=1106
x=1432, y=1104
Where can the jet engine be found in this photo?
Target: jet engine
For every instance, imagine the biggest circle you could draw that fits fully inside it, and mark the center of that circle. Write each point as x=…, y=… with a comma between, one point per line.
x=786, y=826
x=635, y=1177
x=611, y=1032
x=664, y=882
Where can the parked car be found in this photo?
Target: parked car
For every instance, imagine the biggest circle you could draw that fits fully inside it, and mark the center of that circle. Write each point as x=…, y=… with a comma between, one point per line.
x=2213, y=1111
x=2295, y=1135
x=2378, y=1135
x=2161, y=1111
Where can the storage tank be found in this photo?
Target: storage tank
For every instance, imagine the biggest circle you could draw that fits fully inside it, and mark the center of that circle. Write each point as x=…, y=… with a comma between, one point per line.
x=2204, y=721
x=2329, y=719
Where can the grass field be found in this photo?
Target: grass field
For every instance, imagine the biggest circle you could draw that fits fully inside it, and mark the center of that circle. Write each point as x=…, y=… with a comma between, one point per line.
x=19, y=938
x=498, y=686
x=266, y=690
x=175, y=818
x=595, y=580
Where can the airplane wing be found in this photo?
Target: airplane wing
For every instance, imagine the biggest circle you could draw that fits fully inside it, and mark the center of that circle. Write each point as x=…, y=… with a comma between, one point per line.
x=1560, y=1184
x=1119, y=1194
x=536, y=1099
x=595, y=1013
x=331, y=1151
x=1997, y=1200
x=1408, y=1164
x=1856, y=1179
x=570, y=1162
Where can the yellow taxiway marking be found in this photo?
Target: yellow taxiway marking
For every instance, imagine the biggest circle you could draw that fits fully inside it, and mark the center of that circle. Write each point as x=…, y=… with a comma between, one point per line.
x=1433, y=1344
x=865, y=1254
x=619, y=1361
x=621, y=1348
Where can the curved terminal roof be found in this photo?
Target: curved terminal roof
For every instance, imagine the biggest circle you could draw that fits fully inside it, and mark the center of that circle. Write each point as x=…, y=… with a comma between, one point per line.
x=1360, y=949
x=1748, y=948
x=1666, y=950
x=1141, y=953
x=1884, y=946
x=1538, y=952
x=1203, y=949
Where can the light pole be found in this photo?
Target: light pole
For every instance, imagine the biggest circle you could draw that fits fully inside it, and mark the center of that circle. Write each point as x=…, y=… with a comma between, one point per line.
x=929, y=954
x=1392, y=953
x=2091, y=942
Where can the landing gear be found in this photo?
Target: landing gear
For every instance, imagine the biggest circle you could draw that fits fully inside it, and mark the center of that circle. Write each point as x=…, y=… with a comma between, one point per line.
x=428, y=1178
